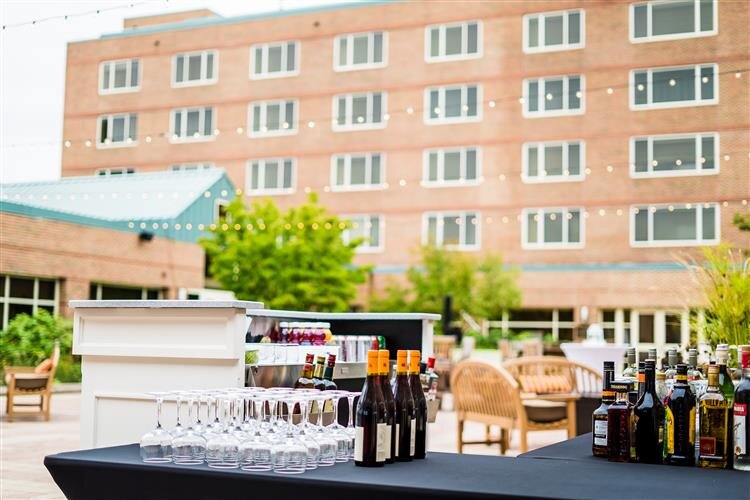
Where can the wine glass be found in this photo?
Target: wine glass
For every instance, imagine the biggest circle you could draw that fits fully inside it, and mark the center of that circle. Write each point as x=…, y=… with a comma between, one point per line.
x=255, y=450
x=337, y=430
x=304, y=434
x=222, y=450
x=178, y=429
x=189, y=448
x=328, y=444
x=156, y=444
x=289, y=453
x=350, y=429
x=200, y=397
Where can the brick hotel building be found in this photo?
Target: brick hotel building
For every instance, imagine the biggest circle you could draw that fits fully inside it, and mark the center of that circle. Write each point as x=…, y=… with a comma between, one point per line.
x=591, y=143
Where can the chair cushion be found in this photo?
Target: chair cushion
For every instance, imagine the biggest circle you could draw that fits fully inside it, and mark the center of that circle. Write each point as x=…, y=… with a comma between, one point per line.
x=30, y=384
x=544, y=384
x=545, y=411
x=44, y=366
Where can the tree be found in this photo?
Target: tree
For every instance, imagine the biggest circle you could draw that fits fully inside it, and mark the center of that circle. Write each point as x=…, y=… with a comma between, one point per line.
x=742, y=222
x=287, y=260
x=496, y=289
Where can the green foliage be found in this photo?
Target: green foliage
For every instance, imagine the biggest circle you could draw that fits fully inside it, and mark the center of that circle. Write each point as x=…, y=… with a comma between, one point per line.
x=496, y=289
x=287, y=260
x=28, y=340
x=742, y=222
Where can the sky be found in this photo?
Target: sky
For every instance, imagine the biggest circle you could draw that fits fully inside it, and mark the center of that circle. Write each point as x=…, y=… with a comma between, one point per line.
x=32, y=68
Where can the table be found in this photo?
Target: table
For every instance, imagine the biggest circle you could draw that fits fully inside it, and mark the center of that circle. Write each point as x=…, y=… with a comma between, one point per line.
x=566, y=469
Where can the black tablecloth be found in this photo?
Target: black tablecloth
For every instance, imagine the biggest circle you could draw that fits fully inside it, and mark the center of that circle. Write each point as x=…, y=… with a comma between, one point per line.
x=117, y=472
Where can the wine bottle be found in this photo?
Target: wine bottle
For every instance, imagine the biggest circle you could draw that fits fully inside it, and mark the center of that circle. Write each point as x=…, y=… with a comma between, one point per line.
x=318, y=373
x=420, y=406
x=620, y=424
x=741, y=456
x=405, y=415
x=305, y=379
x=328, y=383
x=649, y=415
x=727, y=389
x=599, y=417
x=390, y=406
x=714, y=423
x=370, y=425
x=641, y=379
x=679, y=425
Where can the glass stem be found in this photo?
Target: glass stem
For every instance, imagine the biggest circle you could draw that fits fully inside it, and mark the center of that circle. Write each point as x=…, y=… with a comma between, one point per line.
x=350, y=424
x=335, y=411
x=158, y=412
x=179, y=407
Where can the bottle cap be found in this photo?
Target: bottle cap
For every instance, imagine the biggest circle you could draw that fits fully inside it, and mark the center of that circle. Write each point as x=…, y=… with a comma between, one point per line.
x=641, y=365
x=402, y=363
x=661, y=376
x=414, y=357
x=372, y=362
x=609, y=365
x=383, y=355
x=309, y=358
x=649, y=363
x=331, y=359
x=321, y=360
x=431, y=362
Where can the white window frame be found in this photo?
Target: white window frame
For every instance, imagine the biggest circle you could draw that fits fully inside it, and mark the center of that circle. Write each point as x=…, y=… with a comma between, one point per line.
x=442, y=119
x=696, y=33
x=698, y=136
x=127, y=143
x=34, y=302
x=114, y=171
x=541, y=113
x=144, y=290
x=347, y=186
x=292, y=129
x=439, y=236
x=350, y=66
x=204, y=80
x=441, y=182
x=464, y=41
x=128, y=75
x=191, y=166
x=566, y=31
x=676, y=243
x=351, y=126
x=366, y=247
x=673, y=104
x=250, y=191
x=540, y=244
x=544, y=178
x=265, y=47
x=201, y=124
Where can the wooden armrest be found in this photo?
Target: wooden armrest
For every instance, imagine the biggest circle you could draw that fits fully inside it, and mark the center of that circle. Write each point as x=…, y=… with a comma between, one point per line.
x=18, y=369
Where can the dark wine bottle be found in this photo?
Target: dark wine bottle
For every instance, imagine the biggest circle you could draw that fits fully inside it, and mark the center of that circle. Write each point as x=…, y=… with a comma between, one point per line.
x=317, y=378
x=599, y=417
x=390, y=406
x=641, y=380
x=649, y=415
x=370, y=424
x=621, y=424
x=420, y=406
x=679, y=424
x=305, y=379
x=741, y=455
x=328, y=383
x=405, y=415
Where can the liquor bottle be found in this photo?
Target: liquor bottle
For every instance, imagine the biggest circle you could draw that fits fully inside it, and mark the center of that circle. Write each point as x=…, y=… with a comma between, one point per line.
x=741, y=454
x=328, y=383
x=370, y=424
x=641, y=379
x=305, y=379
x=649, y=416
x=631, y=369
x=621, y=424
x=714, y=423
x=695, y=376
x=679, y=426
x=671, y=371
x=432, y=379
x=405, y=415
x=599, y=417
x=420, y=406
x=318, y=373
x=390, y=407
x=661, y=387
x=727, y=389
x=652, y=354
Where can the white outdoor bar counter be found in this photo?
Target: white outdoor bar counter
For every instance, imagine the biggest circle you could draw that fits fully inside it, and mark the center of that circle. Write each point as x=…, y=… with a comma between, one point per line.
x=130, y=348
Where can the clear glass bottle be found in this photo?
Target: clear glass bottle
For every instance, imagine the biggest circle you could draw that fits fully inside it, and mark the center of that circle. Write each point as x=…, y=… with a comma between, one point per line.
x=630, y=372
x=671, y=370
x=661, y=386
x=714, y=419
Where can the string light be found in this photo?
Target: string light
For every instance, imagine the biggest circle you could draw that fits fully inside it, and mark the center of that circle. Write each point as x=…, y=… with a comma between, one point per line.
x=610, y=91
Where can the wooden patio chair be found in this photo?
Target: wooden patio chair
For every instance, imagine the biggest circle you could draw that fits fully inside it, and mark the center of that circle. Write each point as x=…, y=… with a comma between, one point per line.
x=443, y=346
x=32, y=381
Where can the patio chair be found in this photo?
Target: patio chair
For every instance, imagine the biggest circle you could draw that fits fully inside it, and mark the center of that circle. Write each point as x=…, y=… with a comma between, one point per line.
x=443, y=346
x=23, y=381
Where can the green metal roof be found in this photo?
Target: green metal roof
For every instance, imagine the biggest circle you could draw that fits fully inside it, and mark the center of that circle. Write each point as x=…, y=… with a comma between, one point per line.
x=132, y=202
x=210, y=21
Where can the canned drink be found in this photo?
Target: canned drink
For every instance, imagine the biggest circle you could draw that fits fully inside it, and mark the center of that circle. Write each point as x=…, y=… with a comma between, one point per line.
x=351, y=348
x=364, y=344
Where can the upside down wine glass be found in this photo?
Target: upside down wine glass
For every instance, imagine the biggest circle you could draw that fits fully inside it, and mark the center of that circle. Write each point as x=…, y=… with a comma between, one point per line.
x=255, y=450
x=156, y=445
x=189, y=448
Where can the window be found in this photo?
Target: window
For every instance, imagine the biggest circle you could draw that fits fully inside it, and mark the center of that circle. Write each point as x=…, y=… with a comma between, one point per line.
x=274, y=60
x=359, y=111
x=117, y=130
x=673, y=87
x=368, y=227
x=456, y=230
x=655, y=21
x=360, y=51
x=544, y=228
x=195, y=68
x=553, y=96
x=674, y=155
x=451, y=166
x=193, y=124
x=554, y=161
x=272, y=118
x=357, y=171
x=674, y=225
x=99, y=291
x=552, y=31
x=450, y=42
x=270, y=176
x=26, y=295
x=115, y=171
x=182, y=167
x=452, y=104
x=119, y=76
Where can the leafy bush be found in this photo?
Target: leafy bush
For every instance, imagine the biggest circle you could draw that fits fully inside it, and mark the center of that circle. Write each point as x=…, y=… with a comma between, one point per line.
x=28, y=340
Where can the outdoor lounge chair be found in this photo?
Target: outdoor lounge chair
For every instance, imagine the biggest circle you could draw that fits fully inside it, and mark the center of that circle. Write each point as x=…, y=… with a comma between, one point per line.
x=23, y=381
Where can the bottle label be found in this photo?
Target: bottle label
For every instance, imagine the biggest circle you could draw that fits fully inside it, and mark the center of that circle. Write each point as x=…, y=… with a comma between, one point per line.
x=359, y=437
x=413, y=437
x=395, y=447
x=708, y=446
x=740, y=429
x=669, y=430
x=691, y=426
x=600, y=432
x=388, y=429
x=381, y=449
